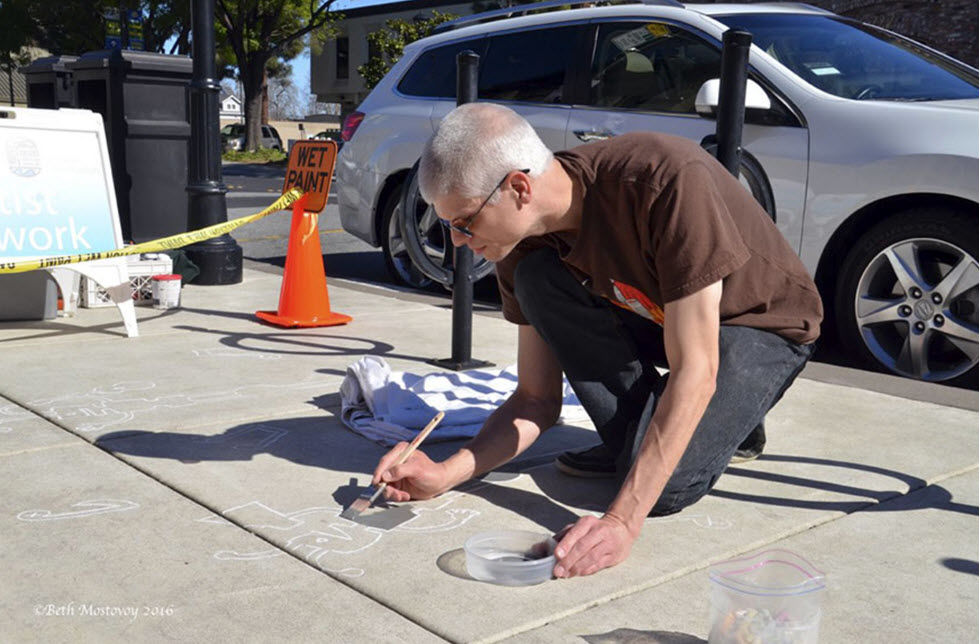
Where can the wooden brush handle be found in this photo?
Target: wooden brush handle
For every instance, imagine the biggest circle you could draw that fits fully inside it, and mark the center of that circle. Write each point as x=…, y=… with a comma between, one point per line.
x=421, y=437
x=408, y=451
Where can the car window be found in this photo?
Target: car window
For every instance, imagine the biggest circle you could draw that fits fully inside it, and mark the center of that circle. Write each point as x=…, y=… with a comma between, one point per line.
x=651, y=66
x=266, y=133
x=853, y=60
x=528, y=65
x=433, y=74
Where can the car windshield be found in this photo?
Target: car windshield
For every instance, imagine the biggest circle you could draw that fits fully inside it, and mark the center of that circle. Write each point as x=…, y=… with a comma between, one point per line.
x=857, y=61
x=233, y=129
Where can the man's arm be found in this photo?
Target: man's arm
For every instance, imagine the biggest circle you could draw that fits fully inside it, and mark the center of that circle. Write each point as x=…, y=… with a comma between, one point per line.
x=533, y=407
x=691, y=328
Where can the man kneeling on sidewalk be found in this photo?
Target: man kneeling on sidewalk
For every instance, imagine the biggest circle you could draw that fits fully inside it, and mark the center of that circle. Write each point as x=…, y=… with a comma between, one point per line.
x=613, y=257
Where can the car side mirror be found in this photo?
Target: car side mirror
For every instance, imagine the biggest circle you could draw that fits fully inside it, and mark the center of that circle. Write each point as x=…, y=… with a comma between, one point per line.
x=706, y=102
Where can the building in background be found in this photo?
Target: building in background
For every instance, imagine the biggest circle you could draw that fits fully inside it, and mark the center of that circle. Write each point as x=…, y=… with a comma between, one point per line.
x=19, y=84
x=15, y=80
x=231, y=107
x=333, y=72
x=947, y=25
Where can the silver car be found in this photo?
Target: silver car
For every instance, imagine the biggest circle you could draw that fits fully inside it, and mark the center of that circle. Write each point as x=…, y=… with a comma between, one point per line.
x=863, y=147
x=233, y=136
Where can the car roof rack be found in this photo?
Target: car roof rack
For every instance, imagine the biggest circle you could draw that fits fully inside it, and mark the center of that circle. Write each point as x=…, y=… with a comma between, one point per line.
x=524, y=9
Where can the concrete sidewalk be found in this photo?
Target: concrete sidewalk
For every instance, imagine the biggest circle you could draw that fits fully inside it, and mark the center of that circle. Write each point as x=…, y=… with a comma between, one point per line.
x=186, y=485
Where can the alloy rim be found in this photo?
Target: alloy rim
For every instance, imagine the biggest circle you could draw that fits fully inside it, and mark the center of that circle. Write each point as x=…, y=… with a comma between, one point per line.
x=916, y=309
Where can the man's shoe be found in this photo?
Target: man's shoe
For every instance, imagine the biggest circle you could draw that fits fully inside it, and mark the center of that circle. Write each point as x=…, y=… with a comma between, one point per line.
x=751, y=447
x=593, y=463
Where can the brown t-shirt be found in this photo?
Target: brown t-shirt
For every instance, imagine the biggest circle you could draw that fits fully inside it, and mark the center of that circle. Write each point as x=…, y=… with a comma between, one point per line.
x=662, y=219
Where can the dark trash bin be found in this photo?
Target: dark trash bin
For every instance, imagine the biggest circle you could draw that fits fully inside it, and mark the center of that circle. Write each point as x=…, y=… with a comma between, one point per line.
x=142, y=97
x=49, y=82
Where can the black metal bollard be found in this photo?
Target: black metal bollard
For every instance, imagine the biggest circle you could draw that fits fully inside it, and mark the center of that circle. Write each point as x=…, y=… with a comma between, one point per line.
x=467, y=70
x=731, y=97
x=220, y=259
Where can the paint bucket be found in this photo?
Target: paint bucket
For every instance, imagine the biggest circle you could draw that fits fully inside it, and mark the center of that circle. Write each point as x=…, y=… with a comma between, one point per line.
x=772, y=596
x=166, y=291
x=510, y=557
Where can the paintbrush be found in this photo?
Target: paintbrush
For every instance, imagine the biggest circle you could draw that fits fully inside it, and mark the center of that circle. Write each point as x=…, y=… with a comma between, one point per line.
x=366, y=500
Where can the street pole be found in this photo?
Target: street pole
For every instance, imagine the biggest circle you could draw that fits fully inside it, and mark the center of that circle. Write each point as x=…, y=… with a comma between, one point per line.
x=220, y=258
x=731, y=97
x=467, y=73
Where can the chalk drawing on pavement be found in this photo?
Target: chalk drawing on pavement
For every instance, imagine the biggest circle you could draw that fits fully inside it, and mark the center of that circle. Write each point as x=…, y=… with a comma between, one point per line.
x=246, y=437
x=86, y=509
x=10, y=414
x=322, y=537
x=705, y=521
x=106, y=407
x=234, y=353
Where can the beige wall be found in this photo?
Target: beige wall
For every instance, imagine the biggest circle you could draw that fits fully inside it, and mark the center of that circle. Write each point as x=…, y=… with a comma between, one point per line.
x=350, y=91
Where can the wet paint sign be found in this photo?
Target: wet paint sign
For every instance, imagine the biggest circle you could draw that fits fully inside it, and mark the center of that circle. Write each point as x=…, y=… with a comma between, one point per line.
x=310, y=169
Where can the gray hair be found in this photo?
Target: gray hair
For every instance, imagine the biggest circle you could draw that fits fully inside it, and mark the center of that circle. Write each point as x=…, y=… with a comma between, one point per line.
x=475, y=146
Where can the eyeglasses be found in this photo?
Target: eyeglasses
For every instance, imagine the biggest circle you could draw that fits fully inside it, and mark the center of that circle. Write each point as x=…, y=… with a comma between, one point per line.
x=462, y=224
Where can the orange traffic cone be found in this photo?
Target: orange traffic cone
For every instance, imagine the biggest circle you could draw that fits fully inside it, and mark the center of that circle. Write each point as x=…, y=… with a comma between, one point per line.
x=303, y=299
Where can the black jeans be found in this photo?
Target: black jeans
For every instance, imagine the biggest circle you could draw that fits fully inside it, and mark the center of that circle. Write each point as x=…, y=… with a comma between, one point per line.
x=609, y=355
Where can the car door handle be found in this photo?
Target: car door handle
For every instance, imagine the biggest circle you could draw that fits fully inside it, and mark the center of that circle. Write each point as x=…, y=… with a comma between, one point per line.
x=592, y=135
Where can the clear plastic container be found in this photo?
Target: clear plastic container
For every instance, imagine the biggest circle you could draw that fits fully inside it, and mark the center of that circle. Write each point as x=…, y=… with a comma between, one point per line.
x=510, y=557
x=772, y=597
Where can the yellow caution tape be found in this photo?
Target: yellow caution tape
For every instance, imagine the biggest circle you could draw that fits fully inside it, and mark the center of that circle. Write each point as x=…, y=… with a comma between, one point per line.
x=157, y=245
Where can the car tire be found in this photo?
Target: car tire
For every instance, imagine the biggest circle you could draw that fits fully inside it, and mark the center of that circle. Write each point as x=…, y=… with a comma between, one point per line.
x=906, y=297
x=751, y=174
x=397, y=260
x=428, y=242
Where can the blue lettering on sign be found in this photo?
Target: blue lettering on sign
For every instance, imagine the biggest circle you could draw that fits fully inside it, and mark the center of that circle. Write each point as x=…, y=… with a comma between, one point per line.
x=53, y=194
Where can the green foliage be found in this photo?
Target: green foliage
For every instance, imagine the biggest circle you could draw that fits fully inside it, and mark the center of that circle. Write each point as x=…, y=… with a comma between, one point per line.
x=389, y=43
x=15, y=34
x=253, y=36
x=260, y=31
x=77, y=26
x=261, y=155
x=14, y=38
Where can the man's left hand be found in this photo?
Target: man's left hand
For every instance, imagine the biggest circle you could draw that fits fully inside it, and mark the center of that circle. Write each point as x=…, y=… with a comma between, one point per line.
x=591, y=544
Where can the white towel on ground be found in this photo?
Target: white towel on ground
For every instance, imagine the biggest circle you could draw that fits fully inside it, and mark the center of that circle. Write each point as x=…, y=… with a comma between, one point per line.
x=389, y=407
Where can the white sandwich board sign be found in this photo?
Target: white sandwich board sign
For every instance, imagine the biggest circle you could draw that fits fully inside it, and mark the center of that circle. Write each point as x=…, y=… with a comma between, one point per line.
x=57, y=198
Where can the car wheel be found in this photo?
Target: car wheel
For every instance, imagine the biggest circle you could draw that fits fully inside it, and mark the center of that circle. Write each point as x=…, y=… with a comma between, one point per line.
x=400, y=266
x=428, y=242
x=906, y=296
x=750, y=174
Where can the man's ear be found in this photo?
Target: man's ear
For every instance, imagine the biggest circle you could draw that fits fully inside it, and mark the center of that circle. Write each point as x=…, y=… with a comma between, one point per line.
x=521, y=184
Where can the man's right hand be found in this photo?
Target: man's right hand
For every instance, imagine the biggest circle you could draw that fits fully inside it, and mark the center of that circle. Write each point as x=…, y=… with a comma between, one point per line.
x=418, y=478
x=532, y=408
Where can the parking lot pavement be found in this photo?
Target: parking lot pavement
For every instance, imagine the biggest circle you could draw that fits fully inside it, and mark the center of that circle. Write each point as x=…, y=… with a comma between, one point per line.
x=198, y=473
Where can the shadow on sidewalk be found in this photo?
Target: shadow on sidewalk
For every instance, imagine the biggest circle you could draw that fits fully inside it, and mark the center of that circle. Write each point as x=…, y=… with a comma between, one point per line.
x=634, y=636
x=321, y=442
x=934, y=496
x=301, y=342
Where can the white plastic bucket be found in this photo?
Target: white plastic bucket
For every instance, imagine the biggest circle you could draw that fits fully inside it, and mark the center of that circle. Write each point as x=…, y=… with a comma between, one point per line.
x=166, y=291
